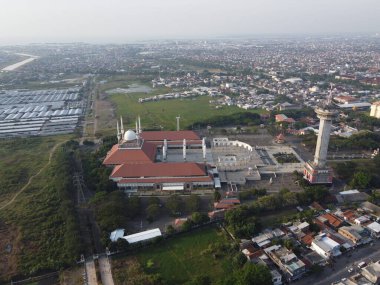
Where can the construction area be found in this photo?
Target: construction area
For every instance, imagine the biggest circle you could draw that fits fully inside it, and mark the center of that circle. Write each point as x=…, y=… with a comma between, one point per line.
x=238, y=162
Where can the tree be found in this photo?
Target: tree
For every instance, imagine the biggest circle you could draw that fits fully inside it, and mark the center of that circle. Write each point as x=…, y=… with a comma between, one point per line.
x=200, y=280
x=253, y=274
x=152, y=211
x=199, y=218
x=217, y=196
x=186, y=226
x=193, y=203
x=134, y=206
x=170, y=230
x=239, y=260
x=174, y=204
x=154, y=200
x=361, y=180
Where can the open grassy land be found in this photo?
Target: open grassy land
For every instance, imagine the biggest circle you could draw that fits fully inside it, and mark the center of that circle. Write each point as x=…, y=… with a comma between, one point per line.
x=180, y=259
x=163, y=113
x=20, y=159
x=38, y=229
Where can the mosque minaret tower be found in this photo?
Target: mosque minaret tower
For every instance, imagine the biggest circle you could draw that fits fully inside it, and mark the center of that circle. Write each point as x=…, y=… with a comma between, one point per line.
x=317, y=171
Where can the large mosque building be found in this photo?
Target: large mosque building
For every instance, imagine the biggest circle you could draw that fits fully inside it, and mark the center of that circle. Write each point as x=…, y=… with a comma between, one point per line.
x=160, y=161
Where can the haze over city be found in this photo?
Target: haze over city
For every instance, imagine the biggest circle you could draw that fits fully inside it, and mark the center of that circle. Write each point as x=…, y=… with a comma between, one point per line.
x=119, y=21
x=189, y=142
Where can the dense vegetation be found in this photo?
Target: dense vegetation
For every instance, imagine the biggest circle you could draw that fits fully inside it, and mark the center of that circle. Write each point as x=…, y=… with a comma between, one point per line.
x=243, y=221
x=45, y=215
x=364, y=140
x=360, y=174
x=244, y=119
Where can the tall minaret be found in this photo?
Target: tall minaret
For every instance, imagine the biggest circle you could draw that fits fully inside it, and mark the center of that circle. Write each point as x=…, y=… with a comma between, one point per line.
x=184, y=149
x=204, y=149
x=316, y=171
x=165, y=149
x=118, y=132
x=121, y=126
x=140, y=130
x=178, y=117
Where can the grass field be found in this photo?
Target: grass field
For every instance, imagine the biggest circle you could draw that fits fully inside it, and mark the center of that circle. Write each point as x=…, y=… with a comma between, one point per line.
x=20, y=159
x=25, y=224
x=163, y=113
x=182, y=258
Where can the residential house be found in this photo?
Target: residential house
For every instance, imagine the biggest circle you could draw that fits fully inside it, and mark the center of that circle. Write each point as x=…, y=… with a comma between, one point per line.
x=372, y=272
x=325, y=246
x=352, y=233
x=292, y=267
x=374, y=228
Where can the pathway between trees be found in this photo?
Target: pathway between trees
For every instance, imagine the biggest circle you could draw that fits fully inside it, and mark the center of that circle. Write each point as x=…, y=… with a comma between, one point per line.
x=10, y=202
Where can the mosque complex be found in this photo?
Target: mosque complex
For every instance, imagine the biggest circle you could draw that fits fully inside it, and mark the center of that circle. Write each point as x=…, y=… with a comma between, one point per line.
x=182, y=161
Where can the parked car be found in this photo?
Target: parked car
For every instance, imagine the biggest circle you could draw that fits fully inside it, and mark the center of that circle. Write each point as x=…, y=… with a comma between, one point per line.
x=362, y=264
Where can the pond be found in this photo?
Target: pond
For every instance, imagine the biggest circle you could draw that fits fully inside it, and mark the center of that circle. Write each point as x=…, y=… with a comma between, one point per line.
x=133, y=88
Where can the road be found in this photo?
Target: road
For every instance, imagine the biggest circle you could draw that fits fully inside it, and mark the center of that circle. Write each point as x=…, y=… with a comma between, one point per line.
x=340, y=270
x=91, y=273
x=105, y=270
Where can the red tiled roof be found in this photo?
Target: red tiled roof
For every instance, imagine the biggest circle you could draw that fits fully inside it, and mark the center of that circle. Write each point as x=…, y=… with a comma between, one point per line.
x=307, y=239
x=333, y=220
x=180, y=169
x=317, y=206
x=169, y=135
x=165, y=180
x=117, y=156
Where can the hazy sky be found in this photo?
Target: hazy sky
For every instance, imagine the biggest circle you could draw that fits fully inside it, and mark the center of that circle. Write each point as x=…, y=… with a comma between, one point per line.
x=23, y=21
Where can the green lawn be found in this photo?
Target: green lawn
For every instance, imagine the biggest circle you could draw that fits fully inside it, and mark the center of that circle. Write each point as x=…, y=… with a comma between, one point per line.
x=180, y=259
x=163, y=113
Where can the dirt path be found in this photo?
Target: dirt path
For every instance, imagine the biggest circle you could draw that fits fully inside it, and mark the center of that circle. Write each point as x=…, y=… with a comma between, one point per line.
x=105, y=271
x=10, y=202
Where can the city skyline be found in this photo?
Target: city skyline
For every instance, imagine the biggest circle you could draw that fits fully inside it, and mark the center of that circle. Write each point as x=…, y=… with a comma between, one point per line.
x=118, y=21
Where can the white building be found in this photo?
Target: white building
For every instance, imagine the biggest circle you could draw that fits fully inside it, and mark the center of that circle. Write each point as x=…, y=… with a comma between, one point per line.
x=325, y=246
x=276, y=277
x=375, y=110
x=375, y=229
x=143, y=236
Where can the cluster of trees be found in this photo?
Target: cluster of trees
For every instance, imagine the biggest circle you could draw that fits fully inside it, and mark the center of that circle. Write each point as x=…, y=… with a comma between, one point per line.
x=358, y=175
x=175, y=204
x=252, y=194
x=364, y=140
x=113, y=210
x=242, y=221
x=240, y=118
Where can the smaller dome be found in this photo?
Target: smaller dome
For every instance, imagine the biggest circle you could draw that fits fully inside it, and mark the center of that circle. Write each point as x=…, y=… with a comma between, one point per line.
x=130, y=135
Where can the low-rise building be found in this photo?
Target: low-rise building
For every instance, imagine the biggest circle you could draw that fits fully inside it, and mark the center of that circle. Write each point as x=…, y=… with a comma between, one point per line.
x=352, y=233
x=375, y=110
x=276, y=277
x=292, y=267
x=325, y=246
x=374, y=228
x=372, y=272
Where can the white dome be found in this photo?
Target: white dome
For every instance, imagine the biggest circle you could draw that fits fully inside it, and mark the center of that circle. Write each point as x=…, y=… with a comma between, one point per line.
x=130, y=135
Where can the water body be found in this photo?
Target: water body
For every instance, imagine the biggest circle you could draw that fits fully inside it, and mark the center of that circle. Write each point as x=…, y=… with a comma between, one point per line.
x=20, y=63
x=133, y=88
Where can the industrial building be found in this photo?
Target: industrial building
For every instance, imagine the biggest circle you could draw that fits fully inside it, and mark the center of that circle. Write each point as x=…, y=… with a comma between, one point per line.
x=39, y=112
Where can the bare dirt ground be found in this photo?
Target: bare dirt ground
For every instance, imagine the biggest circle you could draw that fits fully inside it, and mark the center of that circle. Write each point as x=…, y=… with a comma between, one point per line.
x=9, y=250
x=72, y=276
x=104, y=114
